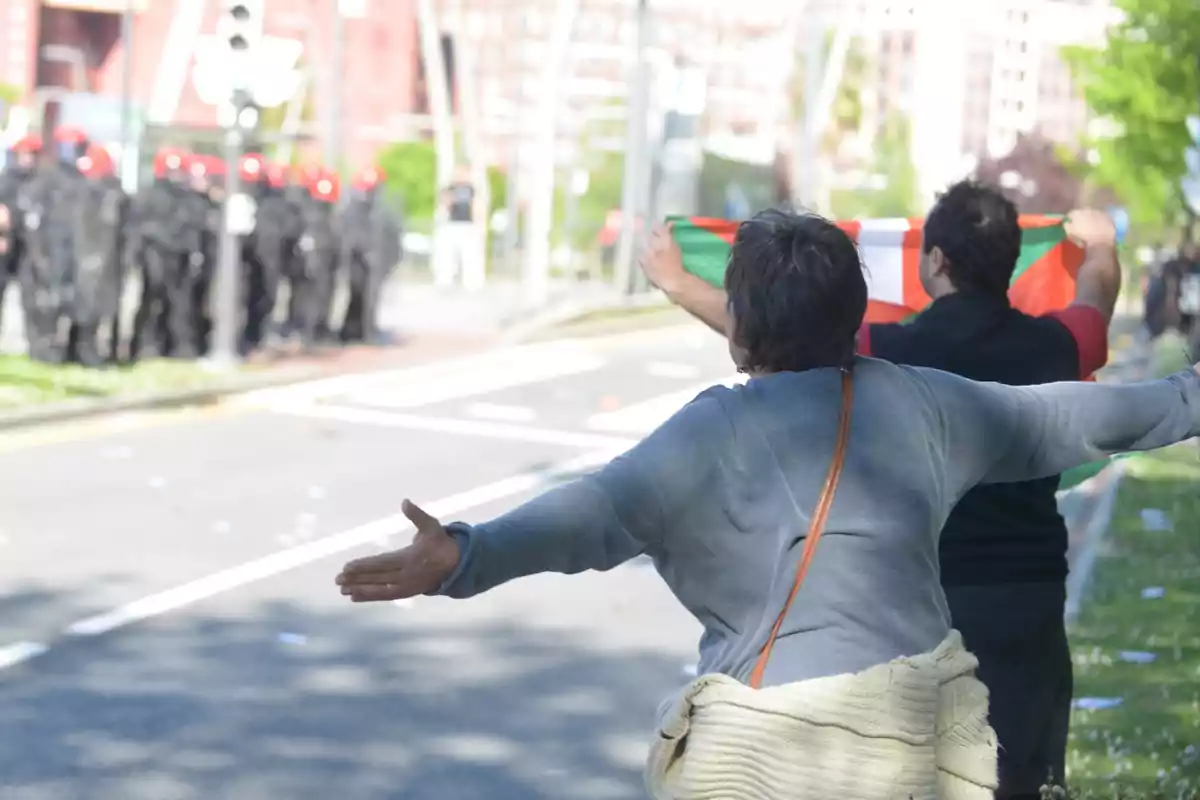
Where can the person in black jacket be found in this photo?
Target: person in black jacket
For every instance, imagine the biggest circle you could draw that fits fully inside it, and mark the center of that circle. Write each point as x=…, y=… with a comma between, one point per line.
x=100, y=221
x=318, y=251
x=1003, y=550
x=50, y=203
x=371, y=246
x=165, y=245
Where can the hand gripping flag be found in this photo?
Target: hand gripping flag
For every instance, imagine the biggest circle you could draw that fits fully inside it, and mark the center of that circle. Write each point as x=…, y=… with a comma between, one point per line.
x=1043, y=281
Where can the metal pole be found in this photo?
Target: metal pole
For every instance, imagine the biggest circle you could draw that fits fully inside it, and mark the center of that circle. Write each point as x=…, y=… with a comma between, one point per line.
x=333, y=143
x=632, y=182
x=126, y=86
x=226, y=311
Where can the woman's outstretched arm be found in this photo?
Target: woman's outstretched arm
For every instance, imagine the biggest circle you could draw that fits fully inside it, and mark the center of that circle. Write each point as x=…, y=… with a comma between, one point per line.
x=603, y=519
x=1000, y=434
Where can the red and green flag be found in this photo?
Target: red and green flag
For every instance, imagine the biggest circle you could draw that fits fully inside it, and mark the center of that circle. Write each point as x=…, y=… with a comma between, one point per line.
x=1043, y=281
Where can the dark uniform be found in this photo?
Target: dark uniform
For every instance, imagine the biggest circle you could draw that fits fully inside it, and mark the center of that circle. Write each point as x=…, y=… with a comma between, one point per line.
x=51, y=202
x=371, y=249
x=208, y=177
x=299, y=198
x=319, y=252
x=166, y=248
x=266, y=251
x=99, y=226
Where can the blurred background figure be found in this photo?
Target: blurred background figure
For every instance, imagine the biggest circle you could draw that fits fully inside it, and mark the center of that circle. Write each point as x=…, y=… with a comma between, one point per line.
x=456, y=249
x=371, y=236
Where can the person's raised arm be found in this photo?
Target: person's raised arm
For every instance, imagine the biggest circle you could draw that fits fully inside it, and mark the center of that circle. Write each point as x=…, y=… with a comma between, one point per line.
x=1097, y=285
x=592, y=523
x=999, y=434
x=662, y=262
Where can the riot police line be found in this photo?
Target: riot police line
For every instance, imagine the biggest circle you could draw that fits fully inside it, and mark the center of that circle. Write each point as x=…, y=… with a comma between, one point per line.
x=71, y=239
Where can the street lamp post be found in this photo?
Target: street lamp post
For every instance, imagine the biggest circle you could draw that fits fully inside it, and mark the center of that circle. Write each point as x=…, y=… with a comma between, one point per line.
x=632, y=182
x=236, y=217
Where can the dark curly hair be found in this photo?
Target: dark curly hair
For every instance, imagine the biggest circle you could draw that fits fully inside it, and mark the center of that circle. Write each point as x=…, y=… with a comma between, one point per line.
x=797, y=292
x=977, y=229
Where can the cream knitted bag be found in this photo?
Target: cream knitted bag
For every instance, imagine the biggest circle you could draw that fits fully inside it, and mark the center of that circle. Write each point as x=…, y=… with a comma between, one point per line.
x=911, y=728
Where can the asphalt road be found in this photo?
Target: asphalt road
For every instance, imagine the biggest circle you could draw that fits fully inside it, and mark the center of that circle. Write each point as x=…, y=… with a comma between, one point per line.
x=178, y=574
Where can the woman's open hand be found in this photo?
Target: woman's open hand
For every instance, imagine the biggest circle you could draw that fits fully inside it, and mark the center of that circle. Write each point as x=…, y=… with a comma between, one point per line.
x=419, y=568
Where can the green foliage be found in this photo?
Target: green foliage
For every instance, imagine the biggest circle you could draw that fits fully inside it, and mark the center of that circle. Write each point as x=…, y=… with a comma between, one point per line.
x=605, y=178
x=1140, y=749
x=846, y=113
x=9, y=96
x=1145, y=79
x=893, y=161
x=411, y=169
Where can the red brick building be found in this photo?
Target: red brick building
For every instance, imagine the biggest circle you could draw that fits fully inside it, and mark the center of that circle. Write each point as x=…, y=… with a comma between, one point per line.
x=76, y=45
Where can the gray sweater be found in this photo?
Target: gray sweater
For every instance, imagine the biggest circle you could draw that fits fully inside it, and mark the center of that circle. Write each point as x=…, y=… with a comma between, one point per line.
x=720, y=497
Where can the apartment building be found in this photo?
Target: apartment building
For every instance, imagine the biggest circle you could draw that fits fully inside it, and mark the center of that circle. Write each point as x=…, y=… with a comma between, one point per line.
x=972, y=79
x=744, y=49
x=74, y=45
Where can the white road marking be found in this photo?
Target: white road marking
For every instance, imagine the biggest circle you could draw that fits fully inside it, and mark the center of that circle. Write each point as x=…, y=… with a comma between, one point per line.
x=563, y=350
x=665, y=369
x=644, y=417
x=501, y=413
x=285, y=560
x=13, y=654
x=484, y=379
x=464, y=427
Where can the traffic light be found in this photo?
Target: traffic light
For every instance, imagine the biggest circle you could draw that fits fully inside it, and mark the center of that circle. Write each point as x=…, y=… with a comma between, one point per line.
x=241, y=25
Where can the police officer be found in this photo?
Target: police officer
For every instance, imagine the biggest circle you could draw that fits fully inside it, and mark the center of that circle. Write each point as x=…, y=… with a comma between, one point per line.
x=266, y=250
x=99, y=225
x=164, y=245
x=371, y=249
x=298, y=194
x=208, y=176
x=51, y=200
x=319, y=253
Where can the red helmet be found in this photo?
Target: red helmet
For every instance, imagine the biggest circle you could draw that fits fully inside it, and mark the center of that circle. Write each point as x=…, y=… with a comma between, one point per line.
x=168, y=160
x=96, y=162
x=28, y=144
x=251, y=168
x=326, y=186
x=369, y=178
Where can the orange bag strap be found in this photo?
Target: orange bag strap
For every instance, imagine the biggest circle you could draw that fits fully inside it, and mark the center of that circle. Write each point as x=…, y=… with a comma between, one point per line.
x=815, y=528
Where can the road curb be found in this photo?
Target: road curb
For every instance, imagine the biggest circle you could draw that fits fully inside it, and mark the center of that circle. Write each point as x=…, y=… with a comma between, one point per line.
x=1095, y=517
x=208, y=394
x=221, y=390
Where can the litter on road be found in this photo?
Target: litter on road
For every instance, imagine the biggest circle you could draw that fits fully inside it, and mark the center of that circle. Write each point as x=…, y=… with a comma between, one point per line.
x=293, y=638
x=1156, y=520
x=1097, y=703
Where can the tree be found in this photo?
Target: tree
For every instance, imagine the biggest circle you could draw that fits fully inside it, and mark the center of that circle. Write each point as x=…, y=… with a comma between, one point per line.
x=897, y=195
x=1146, y=81
x=846, y=113
x=9, y=96
x=411, y=170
